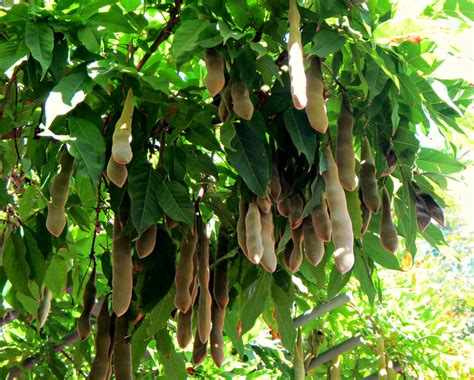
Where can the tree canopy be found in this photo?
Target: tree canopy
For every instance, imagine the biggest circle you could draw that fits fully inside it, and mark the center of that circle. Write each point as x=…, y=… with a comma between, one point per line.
x=136, y=135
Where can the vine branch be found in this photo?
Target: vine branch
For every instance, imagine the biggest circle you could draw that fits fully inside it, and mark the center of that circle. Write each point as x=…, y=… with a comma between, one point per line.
x=163, y=35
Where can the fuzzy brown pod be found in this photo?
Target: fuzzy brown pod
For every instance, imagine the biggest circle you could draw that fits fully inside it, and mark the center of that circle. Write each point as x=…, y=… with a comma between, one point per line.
x=217, y=338
x=313, y=247
x=184, y=329
x=316, y=106
x=122, y=350
x=388, y=232
x=122, y=270
x=341, y=223
x=44, y=306
x=101, y=363
x=241, y=230
x=221, y=282
x=253, y=232
x=269, y=259
x=293, y=255
x=215, y=79
x=296, y=211
x=205, y=299
x=199, y=350
x=88, y=300
x=295, y=58
x=321, y=221
x=146, y=242
x=242, y=105
x=116, y=173
x=368, y=180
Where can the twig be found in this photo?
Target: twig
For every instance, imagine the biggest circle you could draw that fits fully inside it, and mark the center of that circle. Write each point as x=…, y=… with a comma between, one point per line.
x=334, y=352
x=341, y=87
x=96, y=222
x=8, y=317
x=68, y=357
x=9, y=85
x=322, y=309
x=163, y=35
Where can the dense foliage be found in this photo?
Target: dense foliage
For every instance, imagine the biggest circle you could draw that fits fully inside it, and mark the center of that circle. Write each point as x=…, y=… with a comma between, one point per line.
x=66, y=68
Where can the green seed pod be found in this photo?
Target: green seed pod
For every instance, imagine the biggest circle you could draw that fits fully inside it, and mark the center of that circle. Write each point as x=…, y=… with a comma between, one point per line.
x=253, y=232
x=242, y=104
x=345, y=157
x=88, y=301
x=122, y=270
x=241, y=234
x=298, y=358
x=382, y=366
x=269, y=259
x=185, y=271
x=122, y=350
x=44, y=306
x=313, y=247
x=215, y=79
x=368, y=181
x=101, y=363
x=335, y=371
x=316, y=107
x=341, y=223
x=205, y=300
x=388, y=232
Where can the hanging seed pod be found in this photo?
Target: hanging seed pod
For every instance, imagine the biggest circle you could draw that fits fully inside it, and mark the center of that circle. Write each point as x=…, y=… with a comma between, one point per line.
x=264, y=204
x=204, y=310
x=269, y=259
x=44, y=306
x=122, y=350
x=275, y=183
x=217, y=338
x=284, y=207
x=199, y=350
x=185, y=271
x=221, y=282
x=101, y=363
x=295, y=58
x=122, y=280
x=298, y=358
x=215, y=79
x=321, y=221
x=341, y=223
x=313, y=247
x=335, y=371
x=122, y=137
x=368, y=181
x=88, y=301
x=241, y=234
x=146, y=242
x=295, y=257
x=184, y=330
x=116, y=173
x=296, y=211
x=366, y=215
x=316, y=107
x=388, y=232
x=56, y=219
x=242, y=104
x=345, y=156
x=253, y=232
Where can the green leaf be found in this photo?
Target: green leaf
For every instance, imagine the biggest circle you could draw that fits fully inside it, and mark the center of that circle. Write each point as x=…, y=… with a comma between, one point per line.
x=375, y=77
x=56, y=274
x=113, y=20
x=143, y=182
x=226, y=32
x=10, y=52
x=326, y=42
x=286, y=327
x=432, y=160
x=66, y=95
x=173, y=198
x=255, y=301
x=140, y=341
x=374, y=249
x=302, y=134
x=39, y=38
x=337, y=282
x=15, y=264
x=249, y=157
x=186, y=37
x=90, y=38
x=362, y=273
x=88, y=147
x=202, y=136
x=160, y=313
x=173, y=363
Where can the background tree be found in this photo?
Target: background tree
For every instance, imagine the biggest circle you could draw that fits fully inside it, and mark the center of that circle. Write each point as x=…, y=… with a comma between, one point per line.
x=135, y=131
